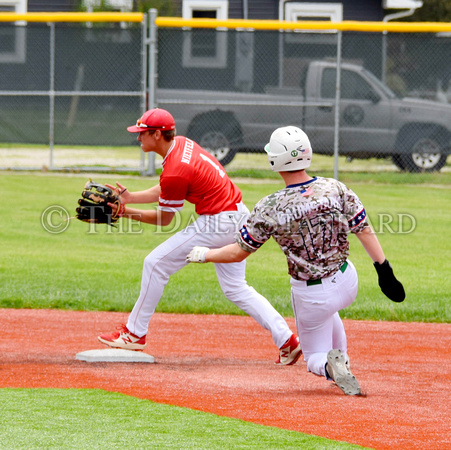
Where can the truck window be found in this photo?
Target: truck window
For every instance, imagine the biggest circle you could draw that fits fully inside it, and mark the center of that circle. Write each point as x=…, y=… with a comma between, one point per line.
x=353, y=86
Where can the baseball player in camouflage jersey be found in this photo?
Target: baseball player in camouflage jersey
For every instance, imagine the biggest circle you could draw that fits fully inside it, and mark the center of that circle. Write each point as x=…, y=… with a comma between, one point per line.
x=310, y=219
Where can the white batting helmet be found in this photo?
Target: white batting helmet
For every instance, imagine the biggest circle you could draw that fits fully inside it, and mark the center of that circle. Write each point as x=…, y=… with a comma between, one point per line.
x=288, y=150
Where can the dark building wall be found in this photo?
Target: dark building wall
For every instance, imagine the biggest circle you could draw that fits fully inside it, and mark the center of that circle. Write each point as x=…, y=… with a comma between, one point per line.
x=52, y=5
x=257, y=9
x=264, y=10
x=362, y=10
x=352, y=9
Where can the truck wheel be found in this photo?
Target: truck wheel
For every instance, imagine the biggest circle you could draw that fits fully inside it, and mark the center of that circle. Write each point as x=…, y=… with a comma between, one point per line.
x=399, y=161
x=424, y=156
x=217, y=137
x=218, y=144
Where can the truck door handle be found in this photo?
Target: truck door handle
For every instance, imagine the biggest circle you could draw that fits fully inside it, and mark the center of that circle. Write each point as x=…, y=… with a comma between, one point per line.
x=325, y=108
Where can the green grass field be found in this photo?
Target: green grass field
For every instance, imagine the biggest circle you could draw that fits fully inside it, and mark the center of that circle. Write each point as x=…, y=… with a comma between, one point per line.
x=94, y=419
x=99, y=268
x=90, y=267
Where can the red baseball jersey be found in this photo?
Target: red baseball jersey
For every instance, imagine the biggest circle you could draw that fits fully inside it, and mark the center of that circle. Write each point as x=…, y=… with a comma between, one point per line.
x=191, y=173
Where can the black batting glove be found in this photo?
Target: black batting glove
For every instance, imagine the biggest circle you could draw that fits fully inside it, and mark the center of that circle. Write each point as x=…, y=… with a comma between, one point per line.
x=388, y=283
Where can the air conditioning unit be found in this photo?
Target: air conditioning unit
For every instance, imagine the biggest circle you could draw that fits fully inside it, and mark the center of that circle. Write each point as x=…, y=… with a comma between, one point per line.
x=401, y=4
x=18, y=6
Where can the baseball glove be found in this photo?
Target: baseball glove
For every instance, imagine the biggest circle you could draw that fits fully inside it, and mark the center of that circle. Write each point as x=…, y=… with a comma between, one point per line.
x=93, y=206
x=388, y=283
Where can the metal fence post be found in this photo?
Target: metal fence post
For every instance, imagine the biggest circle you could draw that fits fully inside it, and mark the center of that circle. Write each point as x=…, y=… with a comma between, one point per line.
x=337, y=107
x=152, y=77
x=142, y=162
x=52, y=94
x=144, y=64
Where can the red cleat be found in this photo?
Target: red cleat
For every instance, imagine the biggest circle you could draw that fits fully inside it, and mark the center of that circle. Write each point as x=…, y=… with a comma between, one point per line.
x=123, y=339
x=290, y=352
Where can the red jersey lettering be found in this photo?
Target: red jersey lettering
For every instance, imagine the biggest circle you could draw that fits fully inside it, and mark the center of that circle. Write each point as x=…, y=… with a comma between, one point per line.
x=190, y=173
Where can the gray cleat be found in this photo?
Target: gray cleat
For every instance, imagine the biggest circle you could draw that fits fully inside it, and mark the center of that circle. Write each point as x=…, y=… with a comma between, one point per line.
x=338, y=369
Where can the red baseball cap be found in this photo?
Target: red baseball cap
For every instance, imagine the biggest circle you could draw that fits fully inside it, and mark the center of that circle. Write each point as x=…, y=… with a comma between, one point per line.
x=154, y=119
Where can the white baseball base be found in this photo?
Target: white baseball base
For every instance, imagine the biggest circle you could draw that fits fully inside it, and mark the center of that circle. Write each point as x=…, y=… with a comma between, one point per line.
x=114, y=355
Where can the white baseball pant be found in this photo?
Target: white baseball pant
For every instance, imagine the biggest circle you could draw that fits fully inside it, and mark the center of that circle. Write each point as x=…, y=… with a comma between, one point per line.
x=169, y=257
x=318, y=322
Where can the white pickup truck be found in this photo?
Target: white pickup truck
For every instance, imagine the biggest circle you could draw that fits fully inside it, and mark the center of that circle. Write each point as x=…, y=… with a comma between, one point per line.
x=374, y=122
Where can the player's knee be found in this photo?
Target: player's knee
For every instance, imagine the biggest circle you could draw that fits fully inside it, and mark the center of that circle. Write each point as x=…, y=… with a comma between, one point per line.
x=151, y=263
x=233, y=287
x=161, y=265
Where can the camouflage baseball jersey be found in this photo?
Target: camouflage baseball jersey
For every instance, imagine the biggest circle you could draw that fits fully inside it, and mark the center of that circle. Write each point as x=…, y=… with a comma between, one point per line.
x=310, y=222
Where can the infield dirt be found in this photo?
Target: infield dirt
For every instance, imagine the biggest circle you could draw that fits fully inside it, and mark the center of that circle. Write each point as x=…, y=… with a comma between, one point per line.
x=225, y=365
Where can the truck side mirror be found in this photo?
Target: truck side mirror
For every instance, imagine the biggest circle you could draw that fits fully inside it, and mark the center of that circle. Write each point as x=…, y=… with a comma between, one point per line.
x=371, y=95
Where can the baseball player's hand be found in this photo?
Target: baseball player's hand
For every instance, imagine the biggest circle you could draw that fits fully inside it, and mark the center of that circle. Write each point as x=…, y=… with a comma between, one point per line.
x=197, y=255
x=121, y=191
x=388, y=283
x=118, y=209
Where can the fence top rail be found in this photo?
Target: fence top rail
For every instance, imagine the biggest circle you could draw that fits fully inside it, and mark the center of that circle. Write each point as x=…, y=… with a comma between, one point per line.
x=178, y=22
x=396, y=27
x=72, y=17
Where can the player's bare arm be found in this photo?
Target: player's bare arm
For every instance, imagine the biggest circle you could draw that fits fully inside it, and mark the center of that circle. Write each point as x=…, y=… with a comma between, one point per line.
x=152, y=217
x=371, y=244
x=228, y=254
x=150, y=195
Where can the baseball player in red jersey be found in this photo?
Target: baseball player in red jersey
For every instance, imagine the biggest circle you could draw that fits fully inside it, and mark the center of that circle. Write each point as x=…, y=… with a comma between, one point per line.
x=310, y=219
x=190, y=174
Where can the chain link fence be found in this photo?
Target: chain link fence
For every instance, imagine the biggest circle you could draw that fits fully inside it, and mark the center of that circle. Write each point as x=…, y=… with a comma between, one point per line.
x=228, y=89
x=72, y=88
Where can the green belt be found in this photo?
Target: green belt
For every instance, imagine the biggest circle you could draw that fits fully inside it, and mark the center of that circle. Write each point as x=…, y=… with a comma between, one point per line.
x=314, y=282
